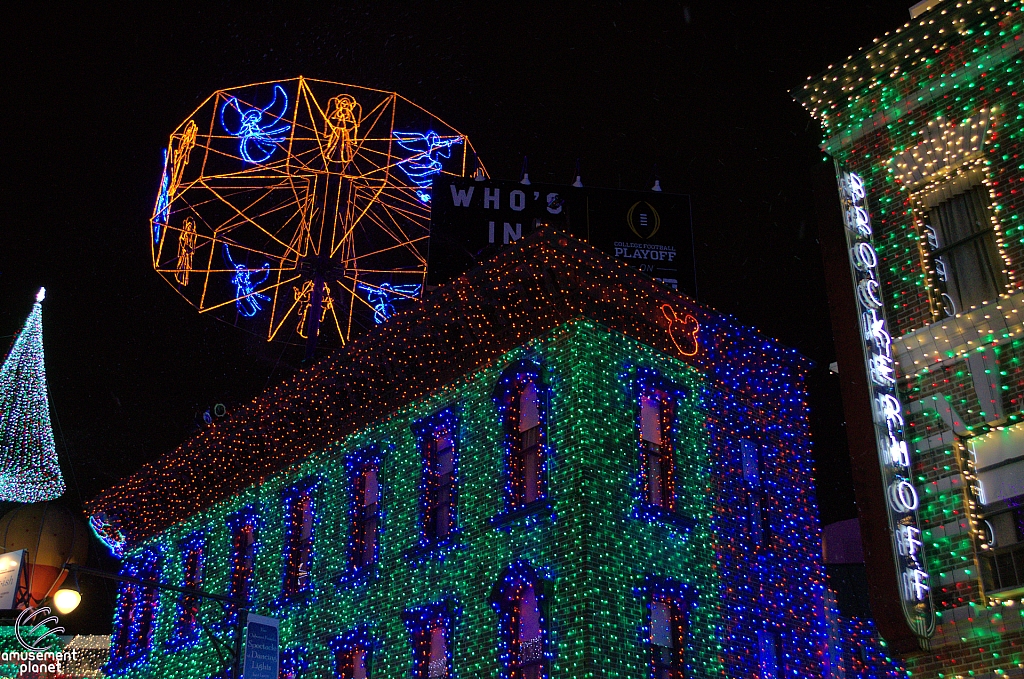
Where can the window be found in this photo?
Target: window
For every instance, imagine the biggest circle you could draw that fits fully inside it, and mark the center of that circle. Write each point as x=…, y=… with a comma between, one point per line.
x=298, y=548
x=964, y=252
x=656, y=415
x=757, y=500
x=437, y=665
x=437, y=442
x=668, y=637
x=521, y=399
x=528, y=633
x=293, y=664
x=186, y=629
x=243, y=558
x=136, y=614
x=1003, y=562
x=756, y=518
x=365, y=511
x=430, y=630
x=352, y=663
x=352, y=655
x=767, y=651
x=521, y=623
x=528, y=459
x=751, y=463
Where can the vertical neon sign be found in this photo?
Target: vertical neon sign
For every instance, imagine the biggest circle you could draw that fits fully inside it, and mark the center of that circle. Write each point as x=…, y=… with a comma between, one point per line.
x=901, y=497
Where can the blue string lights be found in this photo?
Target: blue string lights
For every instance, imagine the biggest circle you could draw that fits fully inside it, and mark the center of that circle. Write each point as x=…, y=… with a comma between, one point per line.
x=293, y=663
x=521, y=399
x=439, y=485
x=193, y=560
x=353, y=654
x=107, y=530
x=538, y=362
x=135, y=615
x=300, y=532
x=162, y=211
x=431, y=633
x=519, y=599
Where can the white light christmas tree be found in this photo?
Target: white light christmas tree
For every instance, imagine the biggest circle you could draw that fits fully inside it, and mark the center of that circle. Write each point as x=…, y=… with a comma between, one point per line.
x=28, y=457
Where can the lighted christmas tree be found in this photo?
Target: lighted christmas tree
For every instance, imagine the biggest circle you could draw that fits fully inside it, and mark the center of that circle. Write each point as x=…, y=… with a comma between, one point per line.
x=28, y=457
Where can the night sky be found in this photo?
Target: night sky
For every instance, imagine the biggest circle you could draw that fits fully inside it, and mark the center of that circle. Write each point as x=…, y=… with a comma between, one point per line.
x=699, y=90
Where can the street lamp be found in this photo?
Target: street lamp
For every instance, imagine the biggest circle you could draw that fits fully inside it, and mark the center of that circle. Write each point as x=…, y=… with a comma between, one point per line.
x=67, y=598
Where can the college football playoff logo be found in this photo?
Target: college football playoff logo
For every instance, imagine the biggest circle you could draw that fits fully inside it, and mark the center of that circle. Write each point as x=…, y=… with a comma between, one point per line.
x=643, y=219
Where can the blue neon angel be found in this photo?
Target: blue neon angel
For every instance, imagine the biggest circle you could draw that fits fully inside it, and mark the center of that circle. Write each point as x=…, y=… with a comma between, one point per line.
x=247, y=300
x=257, y=140
x=380, y=297
x=425, y=164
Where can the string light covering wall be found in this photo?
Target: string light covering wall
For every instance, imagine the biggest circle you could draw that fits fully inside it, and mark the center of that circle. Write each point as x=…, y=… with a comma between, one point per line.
x=29, y=471
x=559, y=580
x=930, y=116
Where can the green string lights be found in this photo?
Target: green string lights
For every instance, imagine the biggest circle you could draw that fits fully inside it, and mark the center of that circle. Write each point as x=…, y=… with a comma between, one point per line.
x=588, y=546
x=537, y=368
x=931, y=116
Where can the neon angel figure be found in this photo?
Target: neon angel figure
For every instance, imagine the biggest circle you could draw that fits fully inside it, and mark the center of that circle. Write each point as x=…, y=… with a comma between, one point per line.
x=247, y=299
x=425, y=164
x=257, y=140
x=380, y=297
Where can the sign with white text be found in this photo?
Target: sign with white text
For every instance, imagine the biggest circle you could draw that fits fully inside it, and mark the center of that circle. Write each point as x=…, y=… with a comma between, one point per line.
x=471, y=221
x=901, y=498
x=10, y=575
x=262, y=645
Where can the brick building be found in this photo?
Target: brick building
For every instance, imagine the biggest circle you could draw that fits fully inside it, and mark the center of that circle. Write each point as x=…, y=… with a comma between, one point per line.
x=925, y=128
x=553, y=467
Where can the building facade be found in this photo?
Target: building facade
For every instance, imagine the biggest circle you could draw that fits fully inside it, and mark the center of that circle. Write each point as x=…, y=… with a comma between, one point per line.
x=925, y=129
x=553, y=467
x=855, y=649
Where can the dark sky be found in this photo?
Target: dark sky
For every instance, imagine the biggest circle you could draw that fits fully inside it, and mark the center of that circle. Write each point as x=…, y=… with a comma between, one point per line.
x=699, y=89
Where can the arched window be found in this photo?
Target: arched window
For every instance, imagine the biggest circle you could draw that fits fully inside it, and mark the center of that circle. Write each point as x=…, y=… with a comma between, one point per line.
x=430, y=636
x=521, y=398
x=657, y=411
x=439, y=485
x=298, y=547
x=242, y=527
x=364, y=508
x=668, y=635
x=519, y=602
x=668, y=606
x=353, y=653
x=186, y=629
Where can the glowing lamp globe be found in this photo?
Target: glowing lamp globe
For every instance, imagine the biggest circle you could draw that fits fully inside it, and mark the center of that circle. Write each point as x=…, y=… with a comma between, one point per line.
x=66, y=600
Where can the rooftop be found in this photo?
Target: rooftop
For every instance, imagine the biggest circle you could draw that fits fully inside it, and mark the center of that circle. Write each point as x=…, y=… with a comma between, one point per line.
x=544, y=281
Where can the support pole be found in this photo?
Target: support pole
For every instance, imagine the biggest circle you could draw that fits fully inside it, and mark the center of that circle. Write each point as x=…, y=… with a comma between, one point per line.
x=316, y=306
x=236, y=666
